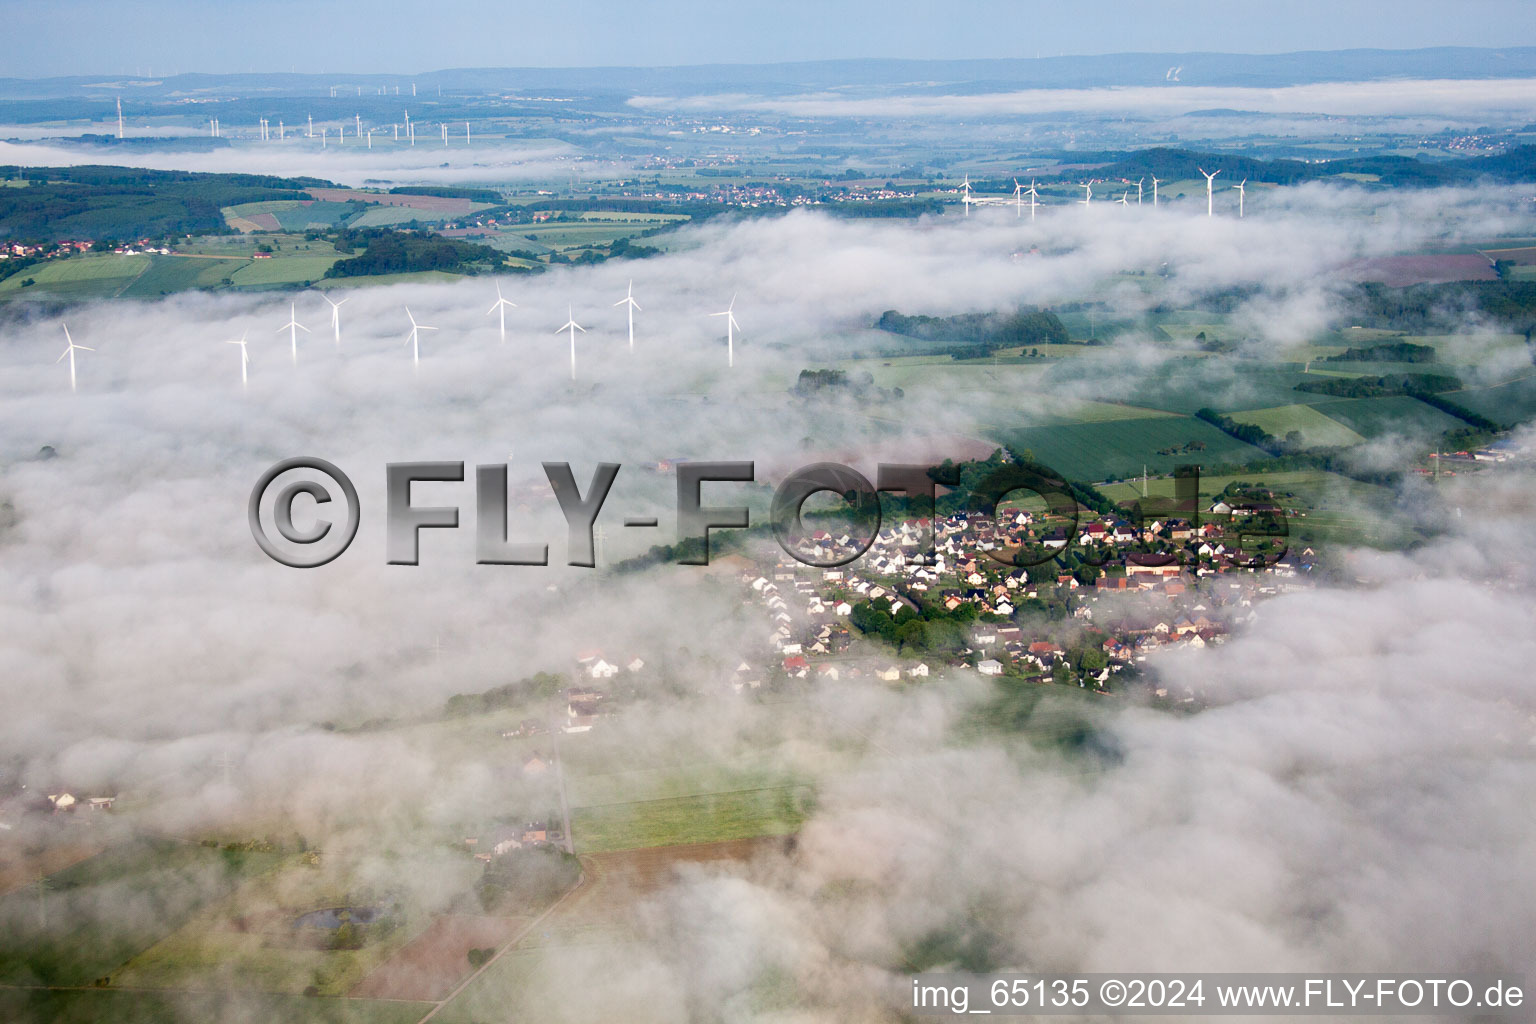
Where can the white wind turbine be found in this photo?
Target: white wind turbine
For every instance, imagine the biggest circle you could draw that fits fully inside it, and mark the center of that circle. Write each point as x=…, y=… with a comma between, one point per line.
x=1240, y=196
x=414, y=338
x=731, y=327
x=1018, y=199
x=1154, y=191
x=1125, y=198
x=293, y=327
x=572, y=326
x=1139, y=183
x=501, y=304
x=629, y=301
x=965, y=201
x=245, y=358
x=336, y=318
x=70, y=352
x=1087, y=199
x=1034, y=196
x=1209, y=192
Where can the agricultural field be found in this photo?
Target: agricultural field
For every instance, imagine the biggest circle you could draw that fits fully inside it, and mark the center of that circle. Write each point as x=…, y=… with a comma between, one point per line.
x=1508, y=404
x=1120, y=448
x=253, y=930
x=169, y=274
x=1390, y=414
x=91, y=1006
x=1316, y=429
x=83, y=277
x=589, y=931
x=701, y=818
x=284, y=269
x=76, y=929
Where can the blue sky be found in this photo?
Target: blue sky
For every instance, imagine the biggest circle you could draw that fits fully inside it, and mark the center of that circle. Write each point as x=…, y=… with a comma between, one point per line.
x=167, y=36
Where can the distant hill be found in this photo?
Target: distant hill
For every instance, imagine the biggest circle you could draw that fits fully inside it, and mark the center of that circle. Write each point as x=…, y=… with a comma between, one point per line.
x=1223, y=69
x=1517, y=164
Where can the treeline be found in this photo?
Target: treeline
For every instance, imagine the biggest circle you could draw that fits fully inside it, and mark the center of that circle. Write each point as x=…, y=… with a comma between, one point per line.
x=540, y=686
x=1414, y=384
x=123, y=204
x=478, y=195
x=1515, y=165
x=398, y=252
x=1444, y=308
x=1387, y=352
x=985, y=332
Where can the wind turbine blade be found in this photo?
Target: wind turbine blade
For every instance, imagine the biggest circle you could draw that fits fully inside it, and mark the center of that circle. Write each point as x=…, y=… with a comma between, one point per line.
x=65, y=353
x=85, y=348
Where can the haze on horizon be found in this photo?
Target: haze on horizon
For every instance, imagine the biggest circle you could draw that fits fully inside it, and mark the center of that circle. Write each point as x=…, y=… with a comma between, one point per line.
x=85, y=37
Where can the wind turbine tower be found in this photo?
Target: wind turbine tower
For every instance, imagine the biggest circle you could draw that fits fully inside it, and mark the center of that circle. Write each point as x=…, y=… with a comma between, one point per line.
x=731, y=327
x=572, y=326
x=70, y=352
x=245, y=358
x=1240, y=196
x=629, y=301
x=335, y=318
x=1154, y=191
x=414, y=340
x=501, y=305
x=1034, y=196
x=119, y=117
x=1087, y=199
x=1210, y=207
x=1018, y=199
x=293, y=327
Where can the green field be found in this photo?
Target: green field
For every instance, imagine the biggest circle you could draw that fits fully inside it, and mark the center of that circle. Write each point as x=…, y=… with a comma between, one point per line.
x=702, y=818
x=1391, y=414
x=1507, y=404
x=1182, y=385
x=94, y=1006
x=168, y=274
x=1120, y=448
x=284, y=268
x=79, y=276
x=98, y=913
x=1317, y=430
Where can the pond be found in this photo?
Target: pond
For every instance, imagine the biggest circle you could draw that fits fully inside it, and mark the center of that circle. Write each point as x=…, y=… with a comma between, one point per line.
x=334, y=917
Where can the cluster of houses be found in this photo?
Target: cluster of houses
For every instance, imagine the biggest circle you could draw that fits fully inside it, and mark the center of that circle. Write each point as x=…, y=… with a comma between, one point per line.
x=61, y=250
x=503, y=839
x=1190, y=594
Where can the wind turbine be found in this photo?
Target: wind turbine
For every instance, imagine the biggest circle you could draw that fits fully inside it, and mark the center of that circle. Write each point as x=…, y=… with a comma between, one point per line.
x=629, y=300
x=1087, y=199
x=965, y=201
x=572, y=326
x=70, y=352
x=731, y=327
x=336, y=317
x=1240, y=196
x=502, y=305
x=1154, y=191
x=1018, y=199
x=414, y=339
x=1139, y=183
x=1209, y=191
x=293, y=327
x=1125, y=197
x=1033, y=200
x=245, y=358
